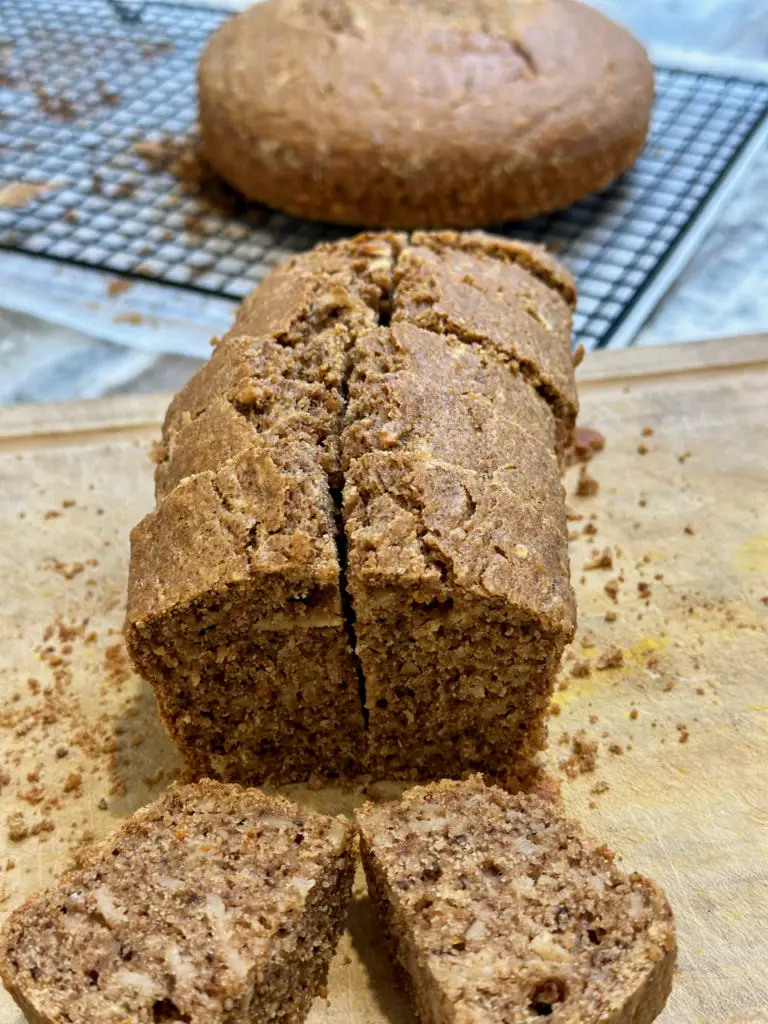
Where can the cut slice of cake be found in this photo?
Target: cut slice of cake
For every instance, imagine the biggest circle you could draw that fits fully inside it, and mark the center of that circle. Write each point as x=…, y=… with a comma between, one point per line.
x=497, y=908
x=214, y=904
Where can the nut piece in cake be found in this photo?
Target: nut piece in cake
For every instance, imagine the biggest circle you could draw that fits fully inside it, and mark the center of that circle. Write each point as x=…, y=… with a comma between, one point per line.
x=497, y=908
x=214, y=904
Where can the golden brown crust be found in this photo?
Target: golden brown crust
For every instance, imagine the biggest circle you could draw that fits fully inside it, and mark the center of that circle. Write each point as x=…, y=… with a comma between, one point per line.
x=441, y=428
x=498, y=907
x=213, y=904
x=423, y=115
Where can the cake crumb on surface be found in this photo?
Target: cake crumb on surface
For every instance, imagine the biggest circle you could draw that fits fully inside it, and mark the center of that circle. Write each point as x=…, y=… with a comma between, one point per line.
x=602, y=560
x=613, y=657
x=586, y=486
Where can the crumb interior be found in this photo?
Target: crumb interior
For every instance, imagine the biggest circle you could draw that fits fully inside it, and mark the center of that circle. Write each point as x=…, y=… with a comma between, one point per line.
x=215, y=904
x=498, y=908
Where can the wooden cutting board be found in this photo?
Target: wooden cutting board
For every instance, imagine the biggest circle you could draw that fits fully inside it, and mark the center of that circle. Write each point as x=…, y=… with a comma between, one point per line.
x=683, y=511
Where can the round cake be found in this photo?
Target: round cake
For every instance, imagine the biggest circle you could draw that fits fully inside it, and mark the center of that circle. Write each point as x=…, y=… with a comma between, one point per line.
x=422, y=113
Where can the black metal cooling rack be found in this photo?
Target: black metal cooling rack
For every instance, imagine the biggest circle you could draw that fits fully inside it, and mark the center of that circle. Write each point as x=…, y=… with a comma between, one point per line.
x=80, y=86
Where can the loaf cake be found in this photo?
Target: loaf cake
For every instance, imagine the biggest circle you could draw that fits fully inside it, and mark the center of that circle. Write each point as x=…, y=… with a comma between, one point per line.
x=358, y=560
x=433, y=114
x=214, y=904
x=496, y=907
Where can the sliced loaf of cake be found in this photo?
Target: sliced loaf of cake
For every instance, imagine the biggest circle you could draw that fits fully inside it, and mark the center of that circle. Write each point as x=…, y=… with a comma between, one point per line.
x=214, y=904
x=497, y=908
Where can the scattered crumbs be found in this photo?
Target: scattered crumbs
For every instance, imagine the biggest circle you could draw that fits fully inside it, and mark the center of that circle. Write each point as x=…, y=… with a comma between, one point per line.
x=700, y=690
x=610, y=615
x=52, y=513
x=72, y=216
x=62, y=751
x=602, y=560
x=581, y=669
x=56, y=106
x=66, y=569
x=684, y=456
x=107, y=96
x=682, y=728
x=150, y=781
x=600, y=787
x=653, y=663
x=118, y=286
x=117, y=665
x=654, y=723
x=594, y=719
x=102, y=804
x=19, y=193
x=590, y=530
x=669, y=685
x=586, y=444
x=642, y=449
x=764, y=599
x=647, y=432
x=644, y=589
x=570, y=514
x=129, y=318
x=583, y=757
x=612, y=590
x=587, y=486
x=690, y=529
x=19, y=828
x=73, y=781
x=588, y=640
x=616, y=748
x=151, y=50
x=658, y=576
x=555, y=710
x=68, y=503
x=633, y=714
x=642, y=502
x=613, y=657
x=564, y=739
x=562, y=686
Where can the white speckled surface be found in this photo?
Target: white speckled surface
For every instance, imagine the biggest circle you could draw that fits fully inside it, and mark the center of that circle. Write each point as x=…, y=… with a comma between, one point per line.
x=721, y=292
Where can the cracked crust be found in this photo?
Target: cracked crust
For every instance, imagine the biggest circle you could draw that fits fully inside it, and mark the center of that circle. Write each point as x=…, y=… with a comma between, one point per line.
x=213, y=904
x=510, y=299
x=422, y=115
x=453, y=552
x=497, y=907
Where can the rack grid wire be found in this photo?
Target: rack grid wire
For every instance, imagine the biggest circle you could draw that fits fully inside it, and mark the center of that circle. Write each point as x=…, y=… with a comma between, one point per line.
x=81, y=84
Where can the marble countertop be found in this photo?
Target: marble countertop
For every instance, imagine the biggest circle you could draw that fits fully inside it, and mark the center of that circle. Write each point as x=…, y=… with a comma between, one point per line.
x=720, y=292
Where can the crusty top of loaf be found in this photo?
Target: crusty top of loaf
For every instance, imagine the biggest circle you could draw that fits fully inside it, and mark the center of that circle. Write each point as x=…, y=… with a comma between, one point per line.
x=180, y=910
x=251, y=448
x=507, y=86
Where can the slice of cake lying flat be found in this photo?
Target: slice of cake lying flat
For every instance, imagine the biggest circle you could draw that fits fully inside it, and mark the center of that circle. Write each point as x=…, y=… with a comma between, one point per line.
x=497, y=909
x=214, y=904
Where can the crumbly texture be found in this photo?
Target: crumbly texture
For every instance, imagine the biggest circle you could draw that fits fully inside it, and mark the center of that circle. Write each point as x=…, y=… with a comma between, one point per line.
x=457, y=559
x=213, y=905
x=497, y=908
x=422, y=115
x=235, y=605
x=358, y=560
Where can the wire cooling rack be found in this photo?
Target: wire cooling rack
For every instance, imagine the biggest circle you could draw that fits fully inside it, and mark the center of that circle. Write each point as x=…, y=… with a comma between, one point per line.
x=81, y=84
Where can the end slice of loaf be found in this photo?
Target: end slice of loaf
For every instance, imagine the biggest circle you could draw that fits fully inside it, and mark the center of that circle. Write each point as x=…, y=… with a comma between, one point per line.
x=498, y=908
x=213, y=904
